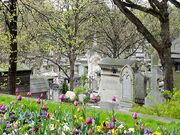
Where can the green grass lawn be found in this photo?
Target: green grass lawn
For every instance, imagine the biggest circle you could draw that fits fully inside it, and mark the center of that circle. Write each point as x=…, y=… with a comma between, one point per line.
x=104, y=115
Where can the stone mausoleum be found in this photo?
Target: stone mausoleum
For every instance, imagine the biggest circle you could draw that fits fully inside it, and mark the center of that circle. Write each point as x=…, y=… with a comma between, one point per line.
x=121, y=78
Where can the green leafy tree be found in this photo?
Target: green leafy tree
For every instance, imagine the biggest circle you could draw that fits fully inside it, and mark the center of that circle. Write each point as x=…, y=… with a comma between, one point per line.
x=9, y=10
x=13, y=20
x=69, y=29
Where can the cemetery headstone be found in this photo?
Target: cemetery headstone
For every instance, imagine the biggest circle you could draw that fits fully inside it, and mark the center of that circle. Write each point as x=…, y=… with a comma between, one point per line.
x=121, y=78
x=54, y=92
x=154, y=96
x=39, y=85
x=81, y=97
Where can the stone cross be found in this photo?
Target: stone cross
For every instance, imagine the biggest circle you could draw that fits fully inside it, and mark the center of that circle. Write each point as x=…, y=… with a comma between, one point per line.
x=154, y=77
x=154, y=96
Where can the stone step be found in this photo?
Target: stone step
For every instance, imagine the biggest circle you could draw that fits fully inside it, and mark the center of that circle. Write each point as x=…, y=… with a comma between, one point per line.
x=109, y=106
x=125, y=106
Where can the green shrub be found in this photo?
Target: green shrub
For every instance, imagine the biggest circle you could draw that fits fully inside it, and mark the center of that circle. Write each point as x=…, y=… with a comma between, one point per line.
x=64, y=87
x=86, y=99
x=172, y=95
x=167, y=109
x=67, y=100
x=83, y=79
x=79, y=90
x=176, y=95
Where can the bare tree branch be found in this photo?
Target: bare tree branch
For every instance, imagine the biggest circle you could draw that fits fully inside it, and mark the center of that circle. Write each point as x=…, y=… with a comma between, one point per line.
x=59, y=66
x=175, y=3
x=140, y=27
x=151, y=11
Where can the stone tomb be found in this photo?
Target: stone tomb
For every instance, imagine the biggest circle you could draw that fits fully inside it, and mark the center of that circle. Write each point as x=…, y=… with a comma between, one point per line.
x=23, y=80
x=39, y=85
x=121, y=78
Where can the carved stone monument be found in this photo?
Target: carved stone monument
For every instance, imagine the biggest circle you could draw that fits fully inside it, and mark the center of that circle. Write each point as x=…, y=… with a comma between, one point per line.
x=154, y=96
x=121, y=78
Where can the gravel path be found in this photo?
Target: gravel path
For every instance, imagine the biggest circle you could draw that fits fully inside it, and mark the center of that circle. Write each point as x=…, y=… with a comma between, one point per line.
x=161, y=119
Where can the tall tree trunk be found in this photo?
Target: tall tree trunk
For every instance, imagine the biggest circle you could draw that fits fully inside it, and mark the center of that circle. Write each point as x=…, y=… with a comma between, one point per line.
x=163, y=46
x=115, y=51
x=166, y=61
x=13, y=46
x=165, y=51
x=71, y=80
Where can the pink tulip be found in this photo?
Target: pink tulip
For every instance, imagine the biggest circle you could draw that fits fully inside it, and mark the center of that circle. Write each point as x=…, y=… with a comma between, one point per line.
x=17, y=91
x=38, y=100
x=90, y=131
x=42, y=95
x=29, y=94
x=88, y=120
x=113, y=119
x=2, y=107
x=44, y=107
x=15, y=125
x=61, y=98
x=134, y=115
x=47, y=115
x=114, y=98
x=94, y=98
x=110, y=126
x=142, y=127
x=75, y=103
x=19, y=97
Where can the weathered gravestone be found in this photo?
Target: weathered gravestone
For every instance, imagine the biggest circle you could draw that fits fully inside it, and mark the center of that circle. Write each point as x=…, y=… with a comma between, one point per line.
x=38, y=86
x=121, y=78
x=81, y=97
x=154, y=96
x=93, y=69
x=133, y=86
x=54, y=92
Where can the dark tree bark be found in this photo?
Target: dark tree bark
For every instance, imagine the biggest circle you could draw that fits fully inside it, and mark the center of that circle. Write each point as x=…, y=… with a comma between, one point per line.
x=11, y=22
x=72, y=64
x=163, y=46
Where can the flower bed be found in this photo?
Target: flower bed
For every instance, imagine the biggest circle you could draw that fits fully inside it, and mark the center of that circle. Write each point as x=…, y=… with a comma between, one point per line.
x=28, y=117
